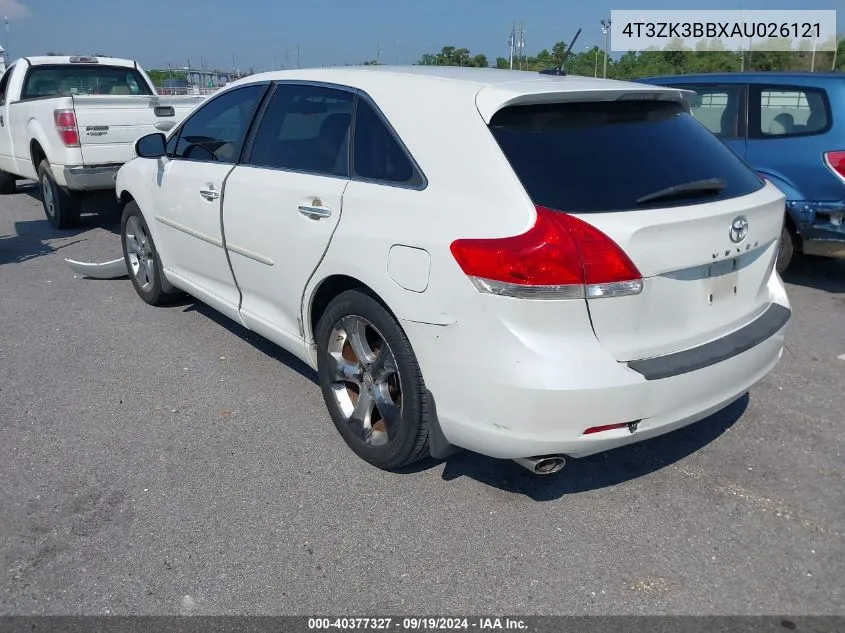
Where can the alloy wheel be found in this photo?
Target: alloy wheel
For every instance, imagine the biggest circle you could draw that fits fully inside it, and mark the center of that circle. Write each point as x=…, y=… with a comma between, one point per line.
x=365, y=380
x=140, y=254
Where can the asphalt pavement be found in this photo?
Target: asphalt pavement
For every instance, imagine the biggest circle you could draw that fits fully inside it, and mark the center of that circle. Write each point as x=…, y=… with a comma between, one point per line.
x=167, y=461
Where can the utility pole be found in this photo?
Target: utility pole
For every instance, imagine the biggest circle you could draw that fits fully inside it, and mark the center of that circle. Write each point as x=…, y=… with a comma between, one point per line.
x=605, y=28
x=521, y=42
x=298, y=53
x=511, y=45
x=813, y=58
x=378, y=53
x=742, y=42
x=835, y=50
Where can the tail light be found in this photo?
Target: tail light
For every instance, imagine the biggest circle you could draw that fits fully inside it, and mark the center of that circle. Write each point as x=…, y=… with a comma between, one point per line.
x=836, y=162
x=66, y=127
x=560, y=257
x=606, y=427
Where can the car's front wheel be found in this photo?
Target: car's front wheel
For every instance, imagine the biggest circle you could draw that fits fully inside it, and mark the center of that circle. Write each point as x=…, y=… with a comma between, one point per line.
x=142, y=258
x=371, y=382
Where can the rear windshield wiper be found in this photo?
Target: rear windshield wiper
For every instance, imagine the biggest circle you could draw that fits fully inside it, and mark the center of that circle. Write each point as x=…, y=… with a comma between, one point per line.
x=692, y=188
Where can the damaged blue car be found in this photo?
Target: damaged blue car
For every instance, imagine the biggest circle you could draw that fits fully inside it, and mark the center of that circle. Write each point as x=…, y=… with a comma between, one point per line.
x=790, y=127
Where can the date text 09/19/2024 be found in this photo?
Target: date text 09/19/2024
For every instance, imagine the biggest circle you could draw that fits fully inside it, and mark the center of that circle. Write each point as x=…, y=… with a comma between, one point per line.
x=418, y=623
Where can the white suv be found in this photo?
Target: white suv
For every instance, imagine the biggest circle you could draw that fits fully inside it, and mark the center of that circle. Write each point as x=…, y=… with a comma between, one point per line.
x=524, y=265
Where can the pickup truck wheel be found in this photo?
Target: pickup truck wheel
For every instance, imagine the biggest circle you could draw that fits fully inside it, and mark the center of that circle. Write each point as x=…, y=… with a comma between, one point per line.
x=141, y=256
x=61, y=206
x=8, y=183
x=786, y=250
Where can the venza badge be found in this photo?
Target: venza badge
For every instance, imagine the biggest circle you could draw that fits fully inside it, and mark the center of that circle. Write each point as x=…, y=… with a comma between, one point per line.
x=739, y=229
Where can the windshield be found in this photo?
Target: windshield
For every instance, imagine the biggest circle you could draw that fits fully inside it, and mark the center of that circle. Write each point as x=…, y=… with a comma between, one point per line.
x=83, y=79
x=592, y=157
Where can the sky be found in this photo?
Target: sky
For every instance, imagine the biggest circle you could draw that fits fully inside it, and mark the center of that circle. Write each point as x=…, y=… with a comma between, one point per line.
x=259, y=32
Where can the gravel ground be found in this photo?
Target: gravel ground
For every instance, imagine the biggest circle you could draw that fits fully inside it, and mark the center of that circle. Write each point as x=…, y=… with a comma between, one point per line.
x=165, y=461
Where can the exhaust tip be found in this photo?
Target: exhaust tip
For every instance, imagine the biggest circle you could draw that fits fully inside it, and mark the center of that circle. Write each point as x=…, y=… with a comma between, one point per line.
x=545, y=465
x=549, y=465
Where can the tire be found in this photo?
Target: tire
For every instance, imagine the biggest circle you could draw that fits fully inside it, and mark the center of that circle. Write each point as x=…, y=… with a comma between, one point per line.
x=142, y=260
x=60, y=206
x=8, y=183
x=394, y=428
x=786, y=250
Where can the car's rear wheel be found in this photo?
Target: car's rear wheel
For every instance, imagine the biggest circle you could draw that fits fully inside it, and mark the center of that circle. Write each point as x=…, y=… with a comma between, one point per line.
x=786, y=250
x=371, y=382
x=61, y=207
x=142, y=259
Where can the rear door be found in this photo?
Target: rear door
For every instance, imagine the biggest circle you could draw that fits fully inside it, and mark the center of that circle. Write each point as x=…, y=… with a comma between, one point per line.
x=786, y=139
x=285, y=199
x=706, y=256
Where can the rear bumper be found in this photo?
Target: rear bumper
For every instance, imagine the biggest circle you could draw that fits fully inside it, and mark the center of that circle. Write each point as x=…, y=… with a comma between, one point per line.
x=540, y=401
x=821, y=226
x=82, y=178
x=825, y=241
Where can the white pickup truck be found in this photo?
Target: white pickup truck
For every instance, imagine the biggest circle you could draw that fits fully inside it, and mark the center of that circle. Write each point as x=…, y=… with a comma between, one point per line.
x=69, y=123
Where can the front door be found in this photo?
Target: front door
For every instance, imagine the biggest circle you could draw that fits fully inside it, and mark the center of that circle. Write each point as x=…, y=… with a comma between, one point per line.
x=188, y=193
x=284, y=201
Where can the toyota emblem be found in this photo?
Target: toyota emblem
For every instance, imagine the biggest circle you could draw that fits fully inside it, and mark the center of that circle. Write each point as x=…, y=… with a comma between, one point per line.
x=739, y=229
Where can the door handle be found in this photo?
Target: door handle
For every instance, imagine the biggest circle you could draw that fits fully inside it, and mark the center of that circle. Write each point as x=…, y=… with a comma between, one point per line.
x=2, y=122
x=315, y=211
x=209, y=193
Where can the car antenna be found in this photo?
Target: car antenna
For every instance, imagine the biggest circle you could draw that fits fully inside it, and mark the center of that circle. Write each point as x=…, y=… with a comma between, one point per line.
x=559, y=69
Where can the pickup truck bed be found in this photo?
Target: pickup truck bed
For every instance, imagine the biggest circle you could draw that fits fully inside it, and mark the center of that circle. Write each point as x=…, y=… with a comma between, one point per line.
x=70, y=123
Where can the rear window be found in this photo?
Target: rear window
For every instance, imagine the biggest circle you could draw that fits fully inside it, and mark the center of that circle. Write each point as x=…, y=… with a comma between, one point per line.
x=593, y=157
x=83, y=79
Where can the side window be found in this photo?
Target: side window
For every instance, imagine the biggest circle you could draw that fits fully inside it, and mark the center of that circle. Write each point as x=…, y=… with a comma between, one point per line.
x=170, y=148
x=782, y=111
x=215, y=132
x=4, y=84
x=305, y=128
x=378, y=155
x=717, y=108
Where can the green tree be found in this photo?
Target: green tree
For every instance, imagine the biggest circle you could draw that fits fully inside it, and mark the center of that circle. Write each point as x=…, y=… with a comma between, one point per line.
x=452, y=56
x=480, y=61
x=558, y=51
x=708, y=57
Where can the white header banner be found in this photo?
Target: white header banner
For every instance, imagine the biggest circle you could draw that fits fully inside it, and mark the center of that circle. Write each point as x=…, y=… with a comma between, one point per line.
x=738, y=30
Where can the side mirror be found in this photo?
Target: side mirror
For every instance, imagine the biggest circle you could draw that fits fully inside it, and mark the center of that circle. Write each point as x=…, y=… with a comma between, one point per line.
x=151, y=146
